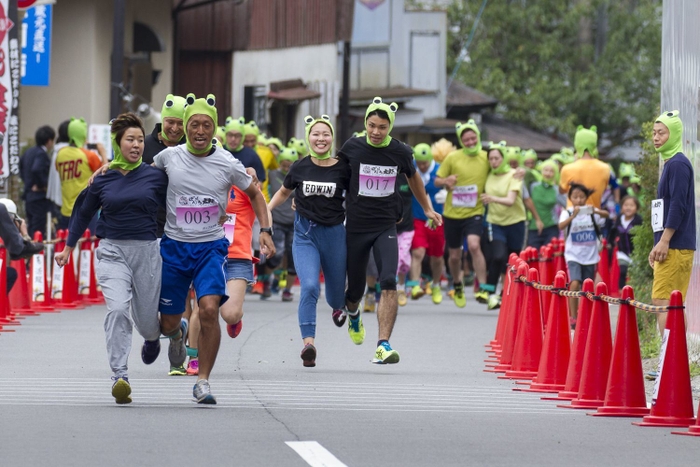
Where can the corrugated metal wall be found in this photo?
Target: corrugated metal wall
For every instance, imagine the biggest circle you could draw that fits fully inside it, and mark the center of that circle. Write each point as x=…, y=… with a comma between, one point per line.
x=291, y=23
x=680, y=86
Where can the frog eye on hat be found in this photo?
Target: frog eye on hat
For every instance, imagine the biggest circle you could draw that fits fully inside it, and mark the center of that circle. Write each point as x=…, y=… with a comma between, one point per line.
x=326, y=118
x=211, y=100
x=377, y=100
x=394, y=107
x=308, y=119
x=169, y=103
x=190, y=99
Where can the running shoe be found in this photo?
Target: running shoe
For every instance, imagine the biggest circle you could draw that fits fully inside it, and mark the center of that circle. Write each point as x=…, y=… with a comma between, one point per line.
x=339, y=317
x=193, y=368
x=417, y=292
x=401, y=297
x=370, y=303
x=275, y=287
x=202, y=392
x=121, y=390
x=437, y=295
x=652, y=375
x=459, y=298
x=257, y=288
x=287, y=295
x=283, y=280
x=308, y=355
x=266, y=291
x=234, y=330
x=150, y=351
x=356, y=330
x=451, y=293
x=385, y=354
x=494, y=302
x=177, y=352
x=481, y=296
x=178, y=371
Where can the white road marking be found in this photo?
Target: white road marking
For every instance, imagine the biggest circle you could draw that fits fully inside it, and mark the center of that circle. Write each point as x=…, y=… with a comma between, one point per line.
x=314, y=454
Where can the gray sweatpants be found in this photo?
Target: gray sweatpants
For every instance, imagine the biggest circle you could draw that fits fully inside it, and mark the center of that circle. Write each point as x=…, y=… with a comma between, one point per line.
x=129, y=272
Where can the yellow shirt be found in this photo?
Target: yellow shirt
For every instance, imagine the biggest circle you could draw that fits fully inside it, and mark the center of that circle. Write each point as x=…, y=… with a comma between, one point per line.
x=269, y=163
x=464, y=200
x=591, y=173
x=501, y=186
x=74, y=166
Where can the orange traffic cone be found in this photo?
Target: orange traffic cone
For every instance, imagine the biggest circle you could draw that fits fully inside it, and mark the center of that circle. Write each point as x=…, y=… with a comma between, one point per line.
x=614, y=284
x=495, y=344
x=625, y=395
x=573, y=372
x=6, y=317
x=596, y=358
x=19, y=295
x=528, y=343
x=693, y=431
x=87, y=283
x=551, y=373
x=64, y=287
x=672, y=402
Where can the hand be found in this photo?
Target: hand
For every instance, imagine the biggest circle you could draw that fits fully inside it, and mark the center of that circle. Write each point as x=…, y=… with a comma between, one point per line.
x=267, y=246
x=576, y=210
x=98, y=172
x=23, y=228
x=223, y=219
x=486, y=199
x=658, y=253
x=434, y=217
x=251, y=171
x=294, y=205
x=519, y=173
x=450, y=182
x=63, y=257
x=540, y=226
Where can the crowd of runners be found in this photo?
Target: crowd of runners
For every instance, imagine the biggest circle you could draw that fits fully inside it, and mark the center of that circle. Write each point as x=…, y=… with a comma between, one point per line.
x=193, y=216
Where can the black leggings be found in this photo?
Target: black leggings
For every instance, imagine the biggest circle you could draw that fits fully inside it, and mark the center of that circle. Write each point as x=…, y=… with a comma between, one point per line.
x=386, y=255
x=498, y=262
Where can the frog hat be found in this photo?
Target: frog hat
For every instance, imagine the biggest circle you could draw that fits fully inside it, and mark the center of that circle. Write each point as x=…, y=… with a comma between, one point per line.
x=513, y=153
x=586, y=140
x=235, y=126
x=173, y=107
x=200, y=107
x=503, y=149
x=422, y=152
x=77, y=132
x=300, y=145
x=674, y=143
x=251, y=128
x=390, y=110
x=528, y=155
x=550, y=163
x=288, y=154
x=470, y=125
x=310, y=122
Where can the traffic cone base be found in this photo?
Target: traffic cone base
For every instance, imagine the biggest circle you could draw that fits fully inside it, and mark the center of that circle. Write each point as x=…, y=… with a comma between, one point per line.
x=583, y=404
x=544, y=388
x=518, y=375
x=653, y=420
x=693, y=431
x=608, y=411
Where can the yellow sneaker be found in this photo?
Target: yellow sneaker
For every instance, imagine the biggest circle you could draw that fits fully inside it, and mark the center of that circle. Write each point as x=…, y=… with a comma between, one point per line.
x=121, y=390
x=451, y=293
x=459, y=298
x=417, y=292
x=401, y=297
x=437, y=295
x=385, y=354
x=481, y=296
x=356, y=330
x=494, y=302
x=370, y=303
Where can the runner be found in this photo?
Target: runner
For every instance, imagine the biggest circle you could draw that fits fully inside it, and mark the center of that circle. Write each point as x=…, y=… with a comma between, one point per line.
x=129, y=262
x=373, y=208
x=463, y=173
x=545, y=197
x=169, y=132
x=319, y=184
x=194, y=247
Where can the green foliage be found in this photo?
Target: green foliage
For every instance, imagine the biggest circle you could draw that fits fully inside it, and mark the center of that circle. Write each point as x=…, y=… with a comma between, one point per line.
x=555, y=64
x=641, y=275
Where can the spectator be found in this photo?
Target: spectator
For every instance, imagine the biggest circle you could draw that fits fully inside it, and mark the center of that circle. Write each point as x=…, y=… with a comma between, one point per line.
x=34, y=170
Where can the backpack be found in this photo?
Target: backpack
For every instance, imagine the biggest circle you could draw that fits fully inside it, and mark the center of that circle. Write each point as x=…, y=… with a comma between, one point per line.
x=598, y=233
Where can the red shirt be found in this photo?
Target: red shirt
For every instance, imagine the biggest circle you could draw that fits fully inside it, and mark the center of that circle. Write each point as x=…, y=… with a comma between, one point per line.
x=239, y=227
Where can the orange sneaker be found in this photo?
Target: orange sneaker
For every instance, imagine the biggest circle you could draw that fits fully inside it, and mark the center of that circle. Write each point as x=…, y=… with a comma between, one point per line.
x=193, y=367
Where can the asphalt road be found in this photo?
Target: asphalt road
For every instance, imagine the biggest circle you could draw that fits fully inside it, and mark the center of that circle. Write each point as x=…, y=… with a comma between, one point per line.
x=435, y=408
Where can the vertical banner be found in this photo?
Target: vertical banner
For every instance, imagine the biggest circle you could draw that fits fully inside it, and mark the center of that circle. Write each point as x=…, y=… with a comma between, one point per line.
x=9, y=93
x=36, y=46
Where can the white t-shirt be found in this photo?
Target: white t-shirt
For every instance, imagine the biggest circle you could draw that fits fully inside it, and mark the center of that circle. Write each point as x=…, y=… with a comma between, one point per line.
x=198, y=190
x=581, y=242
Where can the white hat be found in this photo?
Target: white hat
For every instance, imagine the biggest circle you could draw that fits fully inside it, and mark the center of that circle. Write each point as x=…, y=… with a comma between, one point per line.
x=10, y=205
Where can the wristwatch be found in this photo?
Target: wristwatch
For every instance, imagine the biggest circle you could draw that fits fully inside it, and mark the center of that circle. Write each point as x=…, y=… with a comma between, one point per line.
x=266, y=230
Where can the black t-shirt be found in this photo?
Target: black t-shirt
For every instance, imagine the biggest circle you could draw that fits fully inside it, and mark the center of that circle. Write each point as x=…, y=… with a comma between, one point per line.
x=319, y=191
x=153, y=145
x=406, y=224
x=374, y=204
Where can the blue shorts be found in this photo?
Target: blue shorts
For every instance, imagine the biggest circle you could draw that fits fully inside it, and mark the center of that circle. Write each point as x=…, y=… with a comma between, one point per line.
x=240, y=269
x=200, y=264
x=581, y=272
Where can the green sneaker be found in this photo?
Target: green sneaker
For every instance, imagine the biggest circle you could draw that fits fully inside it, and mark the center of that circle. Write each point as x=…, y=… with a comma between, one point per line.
x=482, y=296
x=385, y=354
x=121, y=390
x=356, y=329
x=417, y=292
x=437, y=295
x=177, y=371
x=494, y=302
x=459, y=298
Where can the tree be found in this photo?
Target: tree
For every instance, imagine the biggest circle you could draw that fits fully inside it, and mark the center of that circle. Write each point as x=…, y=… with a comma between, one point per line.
x=555, y=64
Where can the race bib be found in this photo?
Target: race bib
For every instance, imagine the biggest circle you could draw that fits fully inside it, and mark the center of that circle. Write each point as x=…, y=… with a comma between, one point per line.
x=584, y=237
x=318, y=189
x=230, y=227
x=465, y=196
x=377, y=181
x=657, y=215
x=197, y=213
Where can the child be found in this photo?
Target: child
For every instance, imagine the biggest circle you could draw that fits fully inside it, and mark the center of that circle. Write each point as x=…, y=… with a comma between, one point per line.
x=581, y=225
x=621, y=237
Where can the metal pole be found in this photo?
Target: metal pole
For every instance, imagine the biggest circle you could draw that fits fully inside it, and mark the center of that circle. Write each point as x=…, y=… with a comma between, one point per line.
x=345, y=97
x=117, y=68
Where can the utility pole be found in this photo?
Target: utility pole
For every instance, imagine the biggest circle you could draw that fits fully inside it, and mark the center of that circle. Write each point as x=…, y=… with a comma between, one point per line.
x=117, y=66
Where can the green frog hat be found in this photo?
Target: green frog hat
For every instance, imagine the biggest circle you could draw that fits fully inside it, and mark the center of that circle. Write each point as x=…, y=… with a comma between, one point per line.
x=586, y=140
x=674, y=144
x=251, y=128
x=173, y=107
x=300, y=145
x=550, y=163
x=568, y=154
x=470, y=125
x=390, y=110
x=200, y=107
x=309, y=121
x=503, y=149
x=513, y=153
x=221, y=133
x=235, y=126
x=276, y=142
x=288, y=154
x=529, y=155
x=422, y=152
x=77, y=132
x=626, y=170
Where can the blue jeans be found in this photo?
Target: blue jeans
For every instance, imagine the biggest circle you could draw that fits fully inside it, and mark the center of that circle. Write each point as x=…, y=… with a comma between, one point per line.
x=318, y=247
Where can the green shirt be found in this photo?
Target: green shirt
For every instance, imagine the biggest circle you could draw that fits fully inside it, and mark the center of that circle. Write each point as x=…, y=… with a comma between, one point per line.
x=464, y=200
x=544, y=197
x=501, y=186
